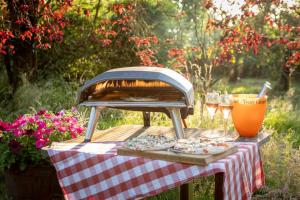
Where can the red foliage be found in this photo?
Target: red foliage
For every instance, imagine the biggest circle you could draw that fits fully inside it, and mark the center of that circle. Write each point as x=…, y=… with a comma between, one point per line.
x=146, y=56
x=38, y=22
x=293, y=45
x=5, y=35
x=208, y=4
x=87, y=12
x=119, y=8
x=114, y=31
x=105, y=42
x=174, y=52
x=294, y=59
x=178, y=55
x=239, y=34
x=110, y=29
x=144, y=51
x=146, y=42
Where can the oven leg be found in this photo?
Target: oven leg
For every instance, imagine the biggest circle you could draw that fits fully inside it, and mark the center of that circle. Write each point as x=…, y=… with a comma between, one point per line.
x=146, y=117
x=94, y=116
x=176, y=119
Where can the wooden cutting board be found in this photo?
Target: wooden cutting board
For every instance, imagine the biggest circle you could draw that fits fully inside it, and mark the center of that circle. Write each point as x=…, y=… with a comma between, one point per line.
x=177, y=157
x=172, y=156
x=125, y=132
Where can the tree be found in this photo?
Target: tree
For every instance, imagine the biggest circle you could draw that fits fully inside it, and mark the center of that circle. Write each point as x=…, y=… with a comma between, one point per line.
x=26, y=26
x=262, y=25
x=126, y=29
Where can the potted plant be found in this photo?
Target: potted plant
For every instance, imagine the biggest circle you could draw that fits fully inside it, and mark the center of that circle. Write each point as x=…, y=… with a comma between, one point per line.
x=28, y=171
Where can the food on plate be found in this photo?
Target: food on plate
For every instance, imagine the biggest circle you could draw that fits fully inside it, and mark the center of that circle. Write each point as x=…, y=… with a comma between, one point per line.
x=150, y=143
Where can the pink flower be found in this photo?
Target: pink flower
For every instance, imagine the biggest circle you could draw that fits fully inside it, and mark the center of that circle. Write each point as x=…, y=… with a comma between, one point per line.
x=79, y=130
x=20, y=121
x=36, y=117
x=72, y=129
x=41, y=124
x=20, y=118
x=14, y=125
x=61, y=113
x=56, y=122
x=62, y=129
x=47, y=115
x=18, y=132
x=75, y=130
x=40, y=127
x=31, y=120
x=41, y=142
x=71, y=120
x=4, y=126
x=48, y=131
x=38, y=134
x=74, y=110
x=41, y=112
x=73, y=135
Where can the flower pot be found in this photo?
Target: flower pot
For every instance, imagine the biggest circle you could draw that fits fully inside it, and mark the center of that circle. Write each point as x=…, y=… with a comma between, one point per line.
x=36, y=182
x=248, y=113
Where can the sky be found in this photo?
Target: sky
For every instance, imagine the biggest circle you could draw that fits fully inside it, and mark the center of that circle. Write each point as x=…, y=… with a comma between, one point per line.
x=233, y=6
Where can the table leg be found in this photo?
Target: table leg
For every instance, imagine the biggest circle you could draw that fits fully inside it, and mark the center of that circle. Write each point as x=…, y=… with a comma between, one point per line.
x=219, y=183
x=146, y=117
x=186, y=191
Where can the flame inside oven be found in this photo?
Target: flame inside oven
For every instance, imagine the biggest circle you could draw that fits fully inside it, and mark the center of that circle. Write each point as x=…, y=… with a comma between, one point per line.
x=130, y=84
x=140, y=89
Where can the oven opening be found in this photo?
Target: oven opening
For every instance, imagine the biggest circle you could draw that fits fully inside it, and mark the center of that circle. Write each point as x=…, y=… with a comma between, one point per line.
x=134, y=90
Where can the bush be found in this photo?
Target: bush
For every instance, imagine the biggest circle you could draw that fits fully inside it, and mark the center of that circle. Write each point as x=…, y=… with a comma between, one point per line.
x=52, y=94
x=283, y=118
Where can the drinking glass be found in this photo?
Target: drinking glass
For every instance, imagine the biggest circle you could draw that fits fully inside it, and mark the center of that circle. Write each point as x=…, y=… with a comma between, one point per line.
x=212, y=100
x=225, y=106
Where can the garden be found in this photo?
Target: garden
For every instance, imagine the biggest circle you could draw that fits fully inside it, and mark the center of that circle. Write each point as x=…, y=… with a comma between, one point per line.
x=50, y=48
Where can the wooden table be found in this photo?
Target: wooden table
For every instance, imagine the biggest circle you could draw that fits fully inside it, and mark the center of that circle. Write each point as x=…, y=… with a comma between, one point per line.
x=122, y=133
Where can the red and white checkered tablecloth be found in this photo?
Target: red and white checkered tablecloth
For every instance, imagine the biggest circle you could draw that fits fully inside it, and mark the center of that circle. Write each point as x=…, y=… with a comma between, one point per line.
x=94, y=171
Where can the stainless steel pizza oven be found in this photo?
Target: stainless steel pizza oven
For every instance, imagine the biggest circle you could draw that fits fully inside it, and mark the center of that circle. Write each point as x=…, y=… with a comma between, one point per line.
x=147, y=89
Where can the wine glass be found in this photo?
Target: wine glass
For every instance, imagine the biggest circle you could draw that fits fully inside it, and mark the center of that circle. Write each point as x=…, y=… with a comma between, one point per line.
x=212, y=100
x=225, y=106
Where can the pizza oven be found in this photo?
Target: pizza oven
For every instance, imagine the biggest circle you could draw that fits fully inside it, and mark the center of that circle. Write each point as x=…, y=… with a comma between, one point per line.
x=146, y=89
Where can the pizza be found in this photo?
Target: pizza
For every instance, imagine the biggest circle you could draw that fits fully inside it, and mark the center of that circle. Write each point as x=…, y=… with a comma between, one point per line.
x=200, y=146
x=140, y=99
x=150, y=143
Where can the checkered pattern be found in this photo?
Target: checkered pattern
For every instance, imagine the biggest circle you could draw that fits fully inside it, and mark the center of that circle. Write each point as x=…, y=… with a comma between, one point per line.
x=94, y=171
